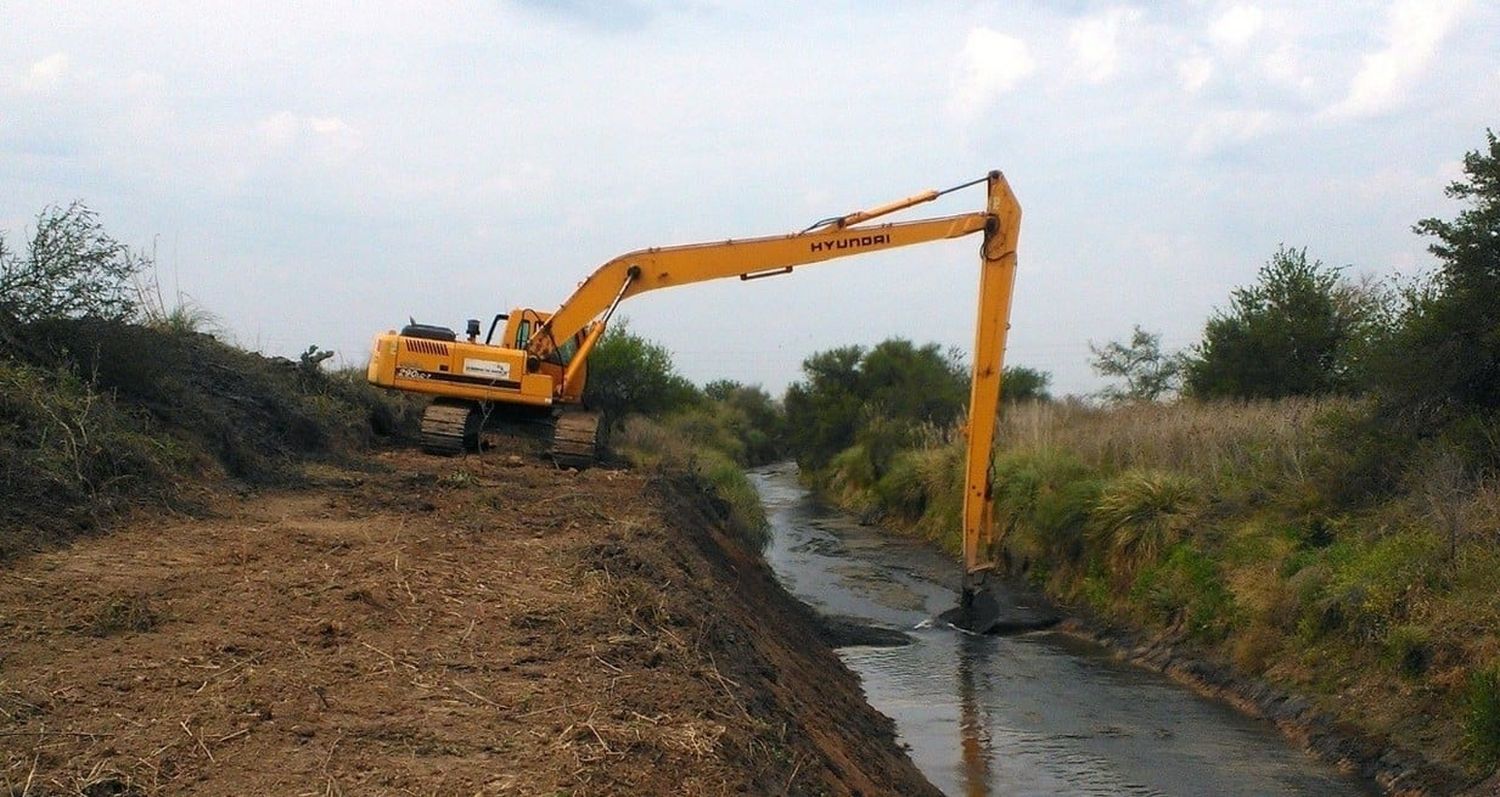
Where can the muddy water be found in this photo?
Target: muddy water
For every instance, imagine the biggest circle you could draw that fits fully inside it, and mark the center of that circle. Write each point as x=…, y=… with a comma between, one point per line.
x=1037, y=714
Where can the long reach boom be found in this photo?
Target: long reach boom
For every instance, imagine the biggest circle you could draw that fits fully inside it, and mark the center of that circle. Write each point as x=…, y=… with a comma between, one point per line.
x=541, y=360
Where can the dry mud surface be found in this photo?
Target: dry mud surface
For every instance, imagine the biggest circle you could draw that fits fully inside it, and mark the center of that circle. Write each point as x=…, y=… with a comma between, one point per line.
x=428, y=626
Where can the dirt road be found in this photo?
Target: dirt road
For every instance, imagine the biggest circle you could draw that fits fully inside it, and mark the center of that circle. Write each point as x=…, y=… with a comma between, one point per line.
x=427, y=626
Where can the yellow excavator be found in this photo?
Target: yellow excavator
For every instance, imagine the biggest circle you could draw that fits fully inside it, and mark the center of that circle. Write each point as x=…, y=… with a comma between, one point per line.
x=538, y=366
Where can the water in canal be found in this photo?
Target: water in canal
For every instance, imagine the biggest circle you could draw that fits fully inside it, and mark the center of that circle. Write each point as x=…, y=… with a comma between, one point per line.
x=1036, y=714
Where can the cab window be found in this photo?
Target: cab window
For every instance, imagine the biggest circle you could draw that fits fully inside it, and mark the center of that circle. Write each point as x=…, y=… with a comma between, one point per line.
x=566, y=351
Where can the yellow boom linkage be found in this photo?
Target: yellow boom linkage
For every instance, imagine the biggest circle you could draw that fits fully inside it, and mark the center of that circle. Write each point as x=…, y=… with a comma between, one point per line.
x=541, y=359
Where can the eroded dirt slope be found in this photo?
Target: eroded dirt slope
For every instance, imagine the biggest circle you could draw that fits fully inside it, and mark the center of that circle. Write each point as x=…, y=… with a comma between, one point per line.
x=430, y=627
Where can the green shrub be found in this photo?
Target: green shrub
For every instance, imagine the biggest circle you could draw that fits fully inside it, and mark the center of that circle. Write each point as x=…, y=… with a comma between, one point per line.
x=901, y=490
x=1443, y=360
x=1038, y=511
x=875, y=397
x=1186, y=588
x=882, y=438
x=1360, y=455
x=1375, y=585
x=1141, y=514
x=1060, y=517
x=753, y=416
x=656, y=443
x=71, y=455
x=630, y=374
x=940, y=470
x=1094, y=592
x=1408, y=649
x=71, y=268
x=98, y=415
x=851, y=471
x=746, y=513
x=1295, y=332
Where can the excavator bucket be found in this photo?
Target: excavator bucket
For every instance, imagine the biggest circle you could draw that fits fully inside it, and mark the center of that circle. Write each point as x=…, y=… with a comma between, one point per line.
x=978, y=611
x=995, y=607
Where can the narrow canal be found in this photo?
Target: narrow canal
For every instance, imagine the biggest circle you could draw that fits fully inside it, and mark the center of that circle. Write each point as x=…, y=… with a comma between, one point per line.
x=1035, y=714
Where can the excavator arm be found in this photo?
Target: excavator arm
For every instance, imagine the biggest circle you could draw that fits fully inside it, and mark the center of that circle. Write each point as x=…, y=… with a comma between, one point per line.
x=635, y=273
x=749, y=258
x=997, y=277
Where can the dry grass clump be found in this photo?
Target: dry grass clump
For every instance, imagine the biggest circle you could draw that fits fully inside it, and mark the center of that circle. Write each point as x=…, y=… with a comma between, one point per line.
x=1140, y=514
x=123, y=611
x=1213, y=440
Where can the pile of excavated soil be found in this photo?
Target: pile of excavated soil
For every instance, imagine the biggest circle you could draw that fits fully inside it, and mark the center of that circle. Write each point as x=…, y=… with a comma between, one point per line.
x=434, y=627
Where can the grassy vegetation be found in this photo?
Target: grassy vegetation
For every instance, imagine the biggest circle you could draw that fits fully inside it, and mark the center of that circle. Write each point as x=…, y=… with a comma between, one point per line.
x=714, y=443
x=112, y=398
x=662, y=420
x=1244, y=529
x=98, y=417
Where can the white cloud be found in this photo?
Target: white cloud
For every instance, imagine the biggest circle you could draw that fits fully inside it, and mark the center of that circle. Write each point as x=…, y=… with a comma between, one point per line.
x=1195, y=72
x=38, y=75
x=49, y=69
x=1283, y=66
x=990, y=65
x=1237, y=26
x=1095, y=43
x=1414, y=29
x=1228, y=128
x=330, y=133
x=278, y=130
x=145, y=83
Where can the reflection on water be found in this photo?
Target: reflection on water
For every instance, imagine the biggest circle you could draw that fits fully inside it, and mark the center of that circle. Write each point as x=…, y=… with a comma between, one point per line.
x=975, y=744
x=1038, y=714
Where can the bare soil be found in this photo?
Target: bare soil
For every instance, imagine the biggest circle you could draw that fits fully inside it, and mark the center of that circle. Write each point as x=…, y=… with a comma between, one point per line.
x=428, y=626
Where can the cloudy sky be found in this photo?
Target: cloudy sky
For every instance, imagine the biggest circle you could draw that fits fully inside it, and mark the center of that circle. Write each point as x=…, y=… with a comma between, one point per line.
x=315, y=173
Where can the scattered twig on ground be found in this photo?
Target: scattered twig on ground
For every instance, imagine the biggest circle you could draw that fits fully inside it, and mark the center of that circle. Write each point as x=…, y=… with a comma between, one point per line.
x=231, y=668
x=226, y=737
x=477, y=696
x=77, y=734
x=793, y=778
x=199, y=740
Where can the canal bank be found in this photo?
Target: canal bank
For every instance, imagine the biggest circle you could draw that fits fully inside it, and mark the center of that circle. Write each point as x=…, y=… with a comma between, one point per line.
x=1040, y=713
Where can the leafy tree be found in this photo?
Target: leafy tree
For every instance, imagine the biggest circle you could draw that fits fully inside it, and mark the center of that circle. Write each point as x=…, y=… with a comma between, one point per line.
x=630, y=374
x=1149, y=374
x=1444, y=356
x=1025, y=384
x=823, y=411
x=71, y=269
x=752, y=415
x=877, y=397
x=1297, y=331
x=721, y=389
x=922, y=384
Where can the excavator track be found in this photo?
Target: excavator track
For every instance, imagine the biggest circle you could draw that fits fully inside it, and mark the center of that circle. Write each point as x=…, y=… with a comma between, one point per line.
x=575, y=440
x=449, y=429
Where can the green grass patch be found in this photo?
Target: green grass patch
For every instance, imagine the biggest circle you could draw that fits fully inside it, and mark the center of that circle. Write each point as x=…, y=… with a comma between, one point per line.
x=686, y=442
x=1481, y=716
x=1186, y=590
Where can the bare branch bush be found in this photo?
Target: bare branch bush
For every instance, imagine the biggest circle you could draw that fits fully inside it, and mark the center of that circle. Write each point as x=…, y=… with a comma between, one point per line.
x=71, y=269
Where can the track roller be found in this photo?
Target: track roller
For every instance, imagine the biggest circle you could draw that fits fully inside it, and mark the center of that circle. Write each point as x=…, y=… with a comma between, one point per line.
x=575, y=440
x=451, y=428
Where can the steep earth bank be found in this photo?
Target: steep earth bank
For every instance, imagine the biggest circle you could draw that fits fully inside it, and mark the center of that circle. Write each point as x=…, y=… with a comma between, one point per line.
x=425, y=626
